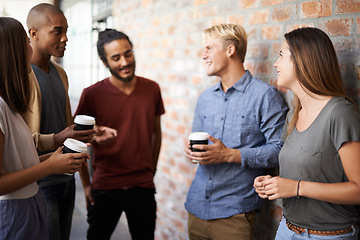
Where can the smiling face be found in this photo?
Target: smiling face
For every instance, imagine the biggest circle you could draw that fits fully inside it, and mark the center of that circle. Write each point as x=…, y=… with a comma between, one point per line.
x=120, y=59
x=285, y=67
x=50, y=38
x=215, y=57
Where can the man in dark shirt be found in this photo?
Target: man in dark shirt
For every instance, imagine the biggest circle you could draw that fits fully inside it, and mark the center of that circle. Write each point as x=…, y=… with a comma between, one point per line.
x=123, y=170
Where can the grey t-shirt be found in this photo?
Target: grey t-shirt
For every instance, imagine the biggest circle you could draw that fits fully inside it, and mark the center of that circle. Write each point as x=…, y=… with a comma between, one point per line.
x=53, y=112
x=312, y=155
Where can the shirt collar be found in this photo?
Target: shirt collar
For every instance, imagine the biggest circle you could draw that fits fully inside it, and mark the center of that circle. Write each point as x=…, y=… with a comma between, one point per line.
x=240, y=85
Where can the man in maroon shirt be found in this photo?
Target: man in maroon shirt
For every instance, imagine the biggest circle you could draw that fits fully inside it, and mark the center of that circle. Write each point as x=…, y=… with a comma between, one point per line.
x=123, y=170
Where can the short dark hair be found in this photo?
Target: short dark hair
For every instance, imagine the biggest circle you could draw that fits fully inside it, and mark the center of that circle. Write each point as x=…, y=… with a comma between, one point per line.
x=106, y=36
x=14, y=75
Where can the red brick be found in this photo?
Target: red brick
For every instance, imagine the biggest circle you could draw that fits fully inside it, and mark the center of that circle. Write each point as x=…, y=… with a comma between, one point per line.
x=171, y=77
x=259, y=17
x=347, y=6
x=275, y=50
x=216, y=21
x=173, y=114
x=145, y=3
x=346, y=47
x=245, y=4
x=165, y=170
x=179, y=225
x=338, y=27
x=208, y=12
x=171, y=161
x=250, y=66
x=271, y=2
x=326, y=8
x=155, y=21
x=164, y=236
x=236, y=19
x=184, y=168
x=171, y=30
x=292, y=27
x=258, y=50
x=171, y=53
x=253, y=50
x=251, y=34
x=200, y=2
x=316, y=9
x=271, y=32
x=282, y=14
x=196, y=80
x=263, y=67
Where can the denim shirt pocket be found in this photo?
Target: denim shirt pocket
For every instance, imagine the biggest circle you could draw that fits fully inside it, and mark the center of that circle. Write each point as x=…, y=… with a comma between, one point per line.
x=209, y=127
x=244, y=129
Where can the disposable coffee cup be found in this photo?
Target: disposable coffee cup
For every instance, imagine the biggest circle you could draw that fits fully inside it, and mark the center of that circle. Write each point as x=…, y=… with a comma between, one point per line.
x=197, y=138
x=84, y=122
x=74, y=146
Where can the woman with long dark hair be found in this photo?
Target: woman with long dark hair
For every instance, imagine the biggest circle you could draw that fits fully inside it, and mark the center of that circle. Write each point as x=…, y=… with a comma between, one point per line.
x=22, y=205
x=319, y=178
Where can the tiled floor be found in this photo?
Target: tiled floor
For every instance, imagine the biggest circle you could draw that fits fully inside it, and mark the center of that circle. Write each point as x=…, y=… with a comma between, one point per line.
x=79, y=224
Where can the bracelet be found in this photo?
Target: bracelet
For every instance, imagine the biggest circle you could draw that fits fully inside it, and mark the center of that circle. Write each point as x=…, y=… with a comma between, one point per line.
x=297, y=190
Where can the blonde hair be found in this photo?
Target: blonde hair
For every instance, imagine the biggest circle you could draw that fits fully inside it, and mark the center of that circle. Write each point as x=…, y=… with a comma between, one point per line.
x=230, y=34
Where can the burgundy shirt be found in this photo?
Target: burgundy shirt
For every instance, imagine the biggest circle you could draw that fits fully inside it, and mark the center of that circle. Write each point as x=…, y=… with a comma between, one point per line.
x=127, y=161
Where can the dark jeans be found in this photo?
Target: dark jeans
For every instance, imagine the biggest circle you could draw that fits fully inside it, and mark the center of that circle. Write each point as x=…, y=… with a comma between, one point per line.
x=60, y=200
x=138, y=204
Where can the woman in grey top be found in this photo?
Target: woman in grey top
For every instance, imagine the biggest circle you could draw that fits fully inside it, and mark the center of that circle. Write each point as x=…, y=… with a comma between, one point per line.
x=319, y=178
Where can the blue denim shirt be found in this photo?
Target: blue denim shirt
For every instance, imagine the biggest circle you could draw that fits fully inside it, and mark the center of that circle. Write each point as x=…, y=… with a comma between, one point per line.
x=250, y=117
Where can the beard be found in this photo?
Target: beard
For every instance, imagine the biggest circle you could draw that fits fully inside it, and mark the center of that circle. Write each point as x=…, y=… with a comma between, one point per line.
x=123, y=79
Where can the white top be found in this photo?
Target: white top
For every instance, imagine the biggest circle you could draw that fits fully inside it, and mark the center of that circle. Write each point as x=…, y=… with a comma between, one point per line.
x=19, y=149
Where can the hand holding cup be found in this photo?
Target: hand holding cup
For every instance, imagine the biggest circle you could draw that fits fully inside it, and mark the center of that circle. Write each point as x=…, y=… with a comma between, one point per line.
x=60, y=163
x=198, y=138
x=74, y=146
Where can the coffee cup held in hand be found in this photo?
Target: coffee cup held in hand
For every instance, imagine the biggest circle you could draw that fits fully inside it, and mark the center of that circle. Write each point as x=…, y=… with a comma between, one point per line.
x=197, y=138
x=74, y=146
x=84, y=122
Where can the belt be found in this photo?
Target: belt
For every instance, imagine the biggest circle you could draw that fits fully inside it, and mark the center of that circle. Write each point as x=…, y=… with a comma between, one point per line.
x=300, y=230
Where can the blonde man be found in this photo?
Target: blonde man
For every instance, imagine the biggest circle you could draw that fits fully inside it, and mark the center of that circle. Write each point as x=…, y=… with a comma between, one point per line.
x=244, y=118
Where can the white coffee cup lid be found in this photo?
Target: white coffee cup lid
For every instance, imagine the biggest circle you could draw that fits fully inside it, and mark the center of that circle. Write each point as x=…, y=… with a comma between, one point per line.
x=75, y=145
x=84, y=120
x=198, y=136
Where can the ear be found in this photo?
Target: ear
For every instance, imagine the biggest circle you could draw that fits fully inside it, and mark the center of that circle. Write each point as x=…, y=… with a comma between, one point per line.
x=33, y=34
x=231, y=50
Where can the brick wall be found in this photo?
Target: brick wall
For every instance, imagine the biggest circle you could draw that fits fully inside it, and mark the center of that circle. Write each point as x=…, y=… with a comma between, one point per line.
x=167, y=39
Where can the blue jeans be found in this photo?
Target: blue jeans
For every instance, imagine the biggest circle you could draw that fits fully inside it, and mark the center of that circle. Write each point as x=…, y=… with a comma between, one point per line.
x=284, y=233
x=60, y=201
x=138, y=204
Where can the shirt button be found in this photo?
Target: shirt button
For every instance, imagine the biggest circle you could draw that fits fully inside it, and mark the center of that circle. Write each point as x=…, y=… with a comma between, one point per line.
x=226, y=99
